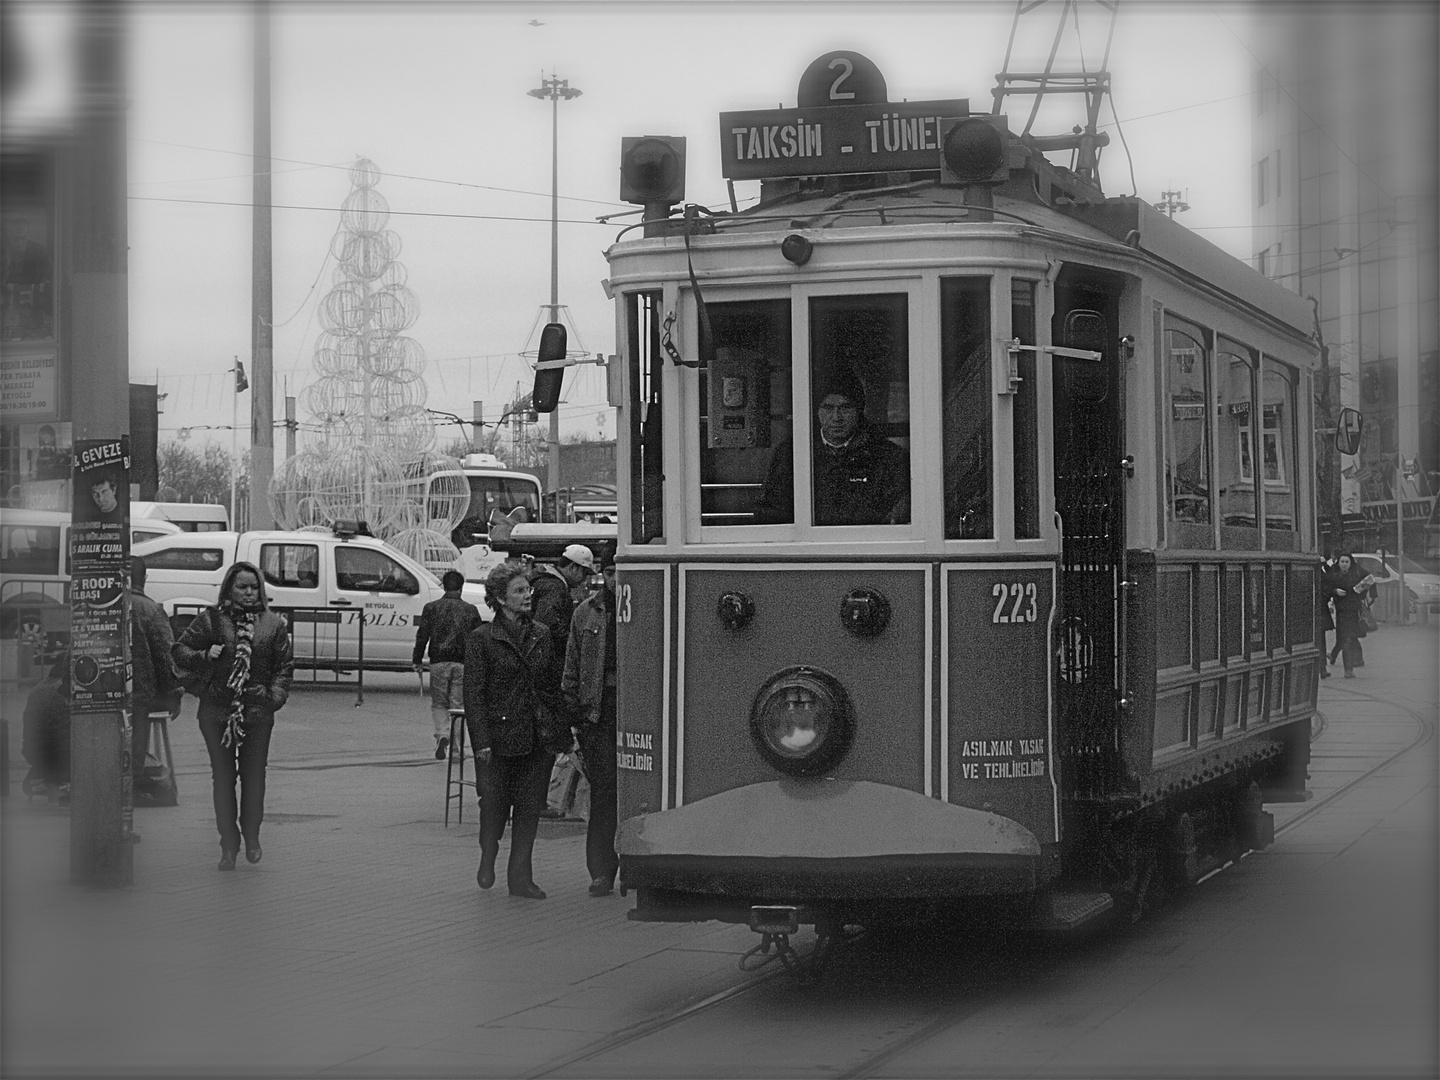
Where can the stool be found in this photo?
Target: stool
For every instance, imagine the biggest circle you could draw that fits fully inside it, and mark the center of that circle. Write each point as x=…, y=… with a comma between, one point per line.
x=455, y=782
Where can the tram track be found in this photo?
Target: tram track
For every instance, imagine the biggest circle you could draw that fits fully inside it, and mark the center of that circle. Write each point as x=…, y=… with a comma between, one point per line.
x=935, y=1022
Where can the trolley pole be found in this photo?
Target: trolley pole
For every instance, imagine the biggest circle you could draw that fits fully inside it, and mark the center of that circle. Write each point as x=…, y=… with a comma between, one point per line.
x=554, y=90
x=262, y=332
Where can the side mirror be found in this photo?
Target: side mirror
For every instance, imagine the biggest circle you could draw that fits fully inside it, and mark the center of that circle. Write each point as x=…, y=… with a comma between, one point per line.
x=549, y=368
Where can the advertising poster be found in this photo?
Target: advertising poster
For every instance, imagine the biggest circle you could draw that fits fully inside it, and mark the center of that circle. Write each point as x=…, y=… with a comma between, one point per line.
x=99, y=563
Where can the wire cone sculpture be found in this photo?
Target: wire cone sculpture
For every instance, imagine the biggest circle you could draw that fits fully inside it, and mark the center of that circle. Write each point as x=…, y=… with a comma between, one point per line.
x=376, y=460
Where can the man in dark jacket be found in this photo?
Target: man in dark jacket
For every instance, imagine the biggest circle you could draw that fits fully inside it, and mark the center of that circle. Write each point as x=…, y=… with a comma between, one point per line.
x=860, y=477
x=554, y=585
x=588, y=690
x=442, y=627
x=156, y=685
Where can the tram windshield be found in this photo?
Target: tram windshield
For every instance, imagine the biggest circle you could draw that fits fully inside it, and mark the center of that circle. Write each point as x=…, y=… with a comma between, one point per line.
x=858, y=423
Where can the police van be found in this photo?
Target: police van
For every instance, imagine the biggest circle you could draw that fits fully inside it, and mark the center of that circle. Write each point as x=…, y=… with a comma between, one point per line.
x=329, y=582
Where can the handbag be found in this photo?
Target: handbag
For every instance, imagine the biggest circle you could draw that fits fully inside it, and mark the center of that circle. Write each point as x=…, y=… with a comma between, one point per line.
x=1367, y=617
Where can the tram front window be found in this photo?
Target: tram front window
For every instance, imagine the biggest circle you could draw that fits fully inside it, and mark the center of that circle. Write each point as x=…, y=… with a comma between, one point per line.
x=860, y=419
x=965, y=389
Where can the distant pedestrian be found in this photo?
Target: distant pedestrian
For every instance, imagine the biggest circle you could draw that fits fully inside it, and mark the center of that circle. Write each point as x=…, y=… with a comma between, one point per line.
x=588, y=687
x=513, y=727
x=156, y=685
x=236, y=657
x=1347, y=585
x=443, y=626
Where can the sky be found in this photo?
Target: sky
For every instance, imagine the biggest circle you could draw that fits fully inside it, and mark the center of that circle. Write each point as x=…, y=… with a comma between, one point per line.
x=435, y=94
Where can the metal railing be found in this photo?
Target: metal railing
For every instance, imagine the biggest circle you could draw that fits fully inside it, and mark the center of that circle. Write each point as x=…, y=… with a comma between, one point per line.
x=324, y=652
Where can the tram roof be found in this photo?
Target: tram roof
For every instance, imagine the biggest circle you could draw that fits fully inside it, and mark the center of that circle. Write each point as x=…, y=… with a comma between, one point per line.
x=1125, y=220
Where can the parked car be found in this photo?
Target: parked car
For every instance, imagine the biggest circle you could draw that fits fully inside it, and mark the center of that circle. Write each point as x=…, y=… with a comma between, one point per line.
x=1421, y=586
x=328, y=580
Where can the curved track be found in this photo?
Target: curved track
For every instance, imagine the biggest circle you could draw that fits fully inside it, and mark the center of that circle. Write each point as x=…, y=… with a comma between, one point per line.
x=894, y=994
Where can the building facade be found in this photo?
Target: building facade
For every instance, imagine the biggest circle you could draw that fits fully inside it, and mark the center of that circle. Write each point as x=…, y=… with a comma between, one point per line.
x=1344, y=139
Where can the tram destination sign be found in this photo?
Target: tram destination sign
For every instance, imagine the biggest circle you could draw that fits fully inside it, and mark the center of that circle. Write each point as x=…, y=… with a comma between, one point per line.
x=886, y=136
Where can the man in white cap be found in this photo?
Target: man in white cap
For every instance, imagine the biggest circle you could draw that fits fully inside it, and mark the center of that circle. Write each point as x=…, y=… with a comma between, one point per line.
x=554, y=604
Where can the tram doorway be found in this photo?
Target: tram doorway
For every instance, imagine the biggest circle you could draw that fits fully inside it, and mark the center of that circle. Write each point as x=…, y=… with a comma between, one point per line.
x=1089, y=496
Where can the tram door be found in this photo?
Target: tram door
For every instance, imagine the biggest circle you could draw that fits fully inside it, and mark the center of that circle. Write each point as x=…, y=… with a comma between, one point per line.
x=1089, y=492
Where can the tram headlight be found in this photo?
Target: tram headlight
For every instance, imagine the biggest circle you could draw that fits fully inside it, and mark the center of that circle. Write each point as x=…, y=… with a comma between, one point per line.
x=802, y=722
x=973, y=151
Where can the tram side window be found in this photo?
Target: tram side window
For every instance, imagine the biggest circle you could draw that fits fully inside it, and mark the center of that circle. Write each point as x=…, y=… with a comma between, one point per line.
x=1187, y=448
x=647, y=466
x=745, y=411
x=860, y=394
x=965, y=395
x=1026, y=424
x=1239, y=494
x=1277, y=456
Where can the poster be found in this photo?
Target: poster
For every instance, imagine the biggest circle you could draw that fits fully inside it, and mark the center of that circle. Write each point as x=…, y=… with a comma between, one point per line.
x=99, y=564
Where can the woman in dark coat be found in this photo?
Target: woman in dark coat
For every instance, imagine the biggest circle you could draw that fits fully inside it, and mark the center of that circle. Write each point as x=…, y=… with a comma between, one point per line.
x=510, y=715
x=1346, y=585
x=236, y=657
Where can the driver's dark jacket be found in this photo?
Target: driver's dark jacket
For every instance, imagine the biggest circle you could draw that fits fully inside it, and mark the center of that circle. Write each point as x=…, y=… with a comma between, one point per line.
x=509, y=706
x=864, y=482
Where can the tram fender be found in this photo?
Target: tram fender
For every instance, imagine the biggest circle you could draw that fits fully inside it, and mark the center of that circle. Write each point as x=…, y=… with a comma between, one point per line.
x=823, y=819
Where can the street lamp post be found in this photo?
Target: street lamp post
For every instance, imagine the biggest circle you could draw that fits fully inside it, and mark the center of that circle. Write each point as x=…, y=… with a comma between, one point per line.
x=555, y=90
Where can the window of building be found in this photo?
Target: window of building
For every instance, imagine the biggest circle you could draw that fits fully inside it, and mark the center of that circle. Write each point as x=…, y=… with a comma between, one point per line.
x=1026, y=422
x=1187, y=444
x=1262, y=182
x=966, y=395
x=1235, y=373
x=291, y=566
x=364, y=569
x=860, y=396
x=647, y=465
x=745, y=413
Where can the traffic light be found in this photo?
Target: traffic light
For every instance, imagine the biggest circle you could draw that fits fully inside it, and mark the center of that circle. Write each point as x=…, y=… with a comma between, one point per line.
x=652, y=169
x=974, y=150
x=549, y=368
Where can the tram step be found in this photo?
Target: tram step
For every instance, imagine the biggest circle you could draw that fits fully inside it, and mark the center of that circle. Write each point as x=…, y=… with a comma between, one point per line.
x=1071, y=910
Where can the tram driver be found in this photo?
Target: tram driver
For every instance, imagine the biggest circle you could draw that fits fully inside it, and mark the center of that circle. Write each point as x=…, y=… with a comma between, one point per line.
x=860, y=477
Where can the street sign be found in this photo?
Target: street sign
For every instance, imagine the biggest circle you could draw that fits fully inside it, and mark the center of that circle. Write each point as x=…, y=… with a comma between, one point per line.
x=1348, y=431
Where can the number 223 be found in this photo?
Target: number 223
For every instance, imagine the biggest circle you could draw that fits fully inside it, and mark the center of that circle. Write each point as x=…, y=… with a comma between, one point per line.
x=1015, y=595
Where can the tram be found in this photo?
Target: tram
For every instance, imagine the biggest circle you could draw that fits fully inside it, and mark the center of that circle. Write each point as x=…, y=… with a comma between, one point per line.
x=1040, y=624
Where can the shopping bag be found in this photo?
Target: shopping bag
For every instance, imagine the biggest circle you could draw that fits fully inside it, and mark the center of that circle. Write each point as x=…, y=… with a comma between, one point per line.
x=1367, y=617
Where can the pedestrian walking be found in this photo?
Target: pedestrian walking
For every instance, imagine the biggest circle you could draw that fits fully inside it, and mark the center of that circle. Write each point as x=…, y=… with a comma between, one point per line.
x=588, y=688
x=156, y=685
x=236, y=658
x=1349, y=587
x=442, y=628
x=510, y=714
x=555, y=585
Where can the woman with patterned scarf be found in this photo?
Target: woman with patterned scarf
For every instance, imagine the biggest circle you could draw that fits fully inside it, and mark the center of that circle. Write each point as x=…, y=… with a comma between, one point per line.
x=236, y=658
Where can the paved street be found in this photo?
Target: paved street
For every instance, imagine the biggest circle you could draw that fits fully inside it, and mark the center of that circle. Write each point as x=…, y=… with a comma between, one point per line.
x=360, y=946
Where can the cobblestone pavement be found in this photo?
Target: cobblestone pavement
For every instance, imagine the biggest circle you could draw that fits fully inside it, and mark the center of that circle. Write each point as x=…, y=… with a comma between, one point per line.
x=360, y=945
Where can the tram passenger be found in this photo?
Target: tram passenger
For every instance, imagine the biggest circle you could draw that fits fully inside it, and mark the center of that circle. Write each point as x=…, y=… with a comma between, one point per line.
x=1347, y=585
x=510, y=713
x=860, y=477
x=588, y=687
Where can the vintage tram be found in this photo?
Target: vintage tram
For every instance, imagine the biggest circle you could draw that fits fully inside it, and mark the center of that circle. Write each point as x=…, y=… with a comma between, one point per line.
x=967, y=545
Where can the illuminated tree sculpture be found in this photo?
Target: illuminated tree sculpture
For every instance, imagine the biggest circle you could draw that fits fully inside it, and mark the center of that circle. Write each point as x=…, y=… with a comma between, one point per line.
x=376, y=456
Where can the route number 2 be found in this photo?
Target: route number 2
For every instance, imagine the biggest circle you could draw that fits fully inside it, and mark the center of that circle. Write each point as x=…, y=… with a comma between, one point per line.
x=1015, y=595
x=846, y=69
x=622, y=603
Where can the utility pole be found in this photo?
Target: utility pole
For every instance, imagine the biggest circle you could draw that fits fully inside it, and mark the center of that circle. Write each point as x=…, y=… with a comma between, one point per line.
x=554, y=90
x=101, y=852
x=262, y=316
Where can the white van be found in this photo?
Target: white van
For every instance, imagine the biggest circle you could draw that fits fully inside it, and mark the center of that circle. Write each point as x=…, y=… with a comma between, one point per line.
x=329, y=580
x=35, y=569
